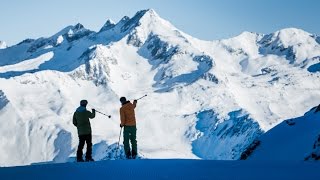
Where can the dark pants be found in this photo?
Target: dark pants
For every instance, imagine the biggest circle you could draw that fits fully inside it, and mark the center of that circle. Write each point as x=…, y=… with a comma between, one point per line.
x=129, y=133
x=82, y=140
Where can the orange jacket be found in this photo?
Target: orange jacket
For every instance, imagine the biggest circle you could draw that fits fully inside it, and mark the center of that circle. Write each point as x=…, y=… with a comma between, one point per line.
x=127, y=115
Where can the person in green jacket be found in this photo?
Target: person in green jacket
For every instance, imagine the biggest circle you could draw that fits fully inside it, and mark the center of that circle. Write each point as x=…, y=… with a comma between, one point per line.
x=81, y=121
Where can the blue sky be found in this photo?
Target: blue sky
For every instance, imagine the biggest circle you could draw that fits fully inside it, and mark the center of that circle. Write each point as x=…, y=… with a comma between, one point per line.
x=204, y=19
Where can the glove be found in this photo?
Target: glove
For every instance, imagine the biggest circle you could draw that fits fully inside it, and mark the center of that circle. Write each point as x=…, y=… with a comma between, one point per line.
x=135, y=101
x=93, y=110
x=121, y=125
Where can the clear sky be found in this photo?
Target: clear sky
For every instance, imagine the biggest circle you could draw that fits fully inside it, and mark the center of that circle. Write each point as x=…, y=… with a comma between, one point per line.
x=204, y=19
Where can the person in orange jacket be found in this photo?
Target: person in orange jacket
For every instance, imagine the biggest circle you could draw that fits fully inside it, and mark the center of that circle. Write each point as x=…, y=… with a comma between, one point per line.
x=128, y=121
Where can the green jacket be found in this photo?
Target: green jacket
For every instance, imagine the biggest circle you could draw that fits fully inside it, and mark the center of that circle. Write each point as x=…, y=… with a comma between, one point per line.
x=81, y=120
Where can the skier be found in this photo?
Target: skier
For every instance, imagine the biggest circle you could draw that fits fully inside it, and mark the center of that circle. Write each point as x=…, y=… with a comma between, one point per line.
x=81, y=121
x=128, y=121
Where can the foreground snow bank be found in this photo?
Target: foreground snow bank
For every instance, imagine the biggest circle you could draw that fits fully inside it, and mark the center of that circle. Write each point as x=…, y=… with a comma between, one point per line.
x=293, y=139
x=167, y=169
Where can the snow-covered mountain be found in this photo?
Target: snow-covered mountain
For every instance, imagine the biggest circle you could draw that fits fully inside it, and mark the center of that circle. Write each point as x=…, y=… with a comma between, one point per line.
x=206, y=99
x=293, y=139
x=3, y=45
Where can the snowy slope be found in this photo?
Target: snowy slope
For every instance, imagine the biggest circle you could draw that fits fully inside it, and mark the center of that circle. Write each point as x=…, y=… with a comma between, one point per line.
x=206, y=99
x=291, y=139
x=30, y=64
x=167, y=169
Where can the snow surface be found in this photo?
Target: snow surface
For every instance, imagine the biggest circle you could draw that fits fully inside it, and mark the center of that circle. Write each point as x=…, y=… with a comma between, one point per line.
x=168, y=169
x=205, y=99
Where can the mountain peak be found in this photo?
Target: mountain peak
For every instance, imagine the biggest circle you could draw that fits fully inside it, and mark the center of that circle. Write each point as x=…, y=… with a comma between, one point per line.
x=245, y=35
x=291, y=36
x=108, y=22
x=141, y=17
x=292, y=31
x=147, y=13
x=124, y=19
x=78, y=26
x=150, y=12
x=71, y=29
x=296, y=44
x=108, y=25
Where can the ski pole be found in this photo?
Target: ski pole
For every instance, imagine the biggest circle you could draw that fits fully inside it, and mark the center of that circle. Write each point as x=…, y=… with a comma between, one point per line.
x=118, y=143
x=109, y=116
x=141, y=97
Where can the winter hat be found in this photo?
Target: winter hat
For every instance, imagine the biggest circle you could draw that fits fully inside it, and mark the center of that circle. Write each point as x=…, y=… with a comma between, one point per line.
x=123, y=100
x=83, y=102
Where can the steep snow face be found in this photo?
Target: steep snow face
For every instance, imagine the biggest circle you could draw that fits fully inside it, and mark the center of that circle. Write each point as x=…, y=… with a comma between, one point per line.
x=292, y=139
x=204, y=99
x=3, y=45
x=230, y=137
